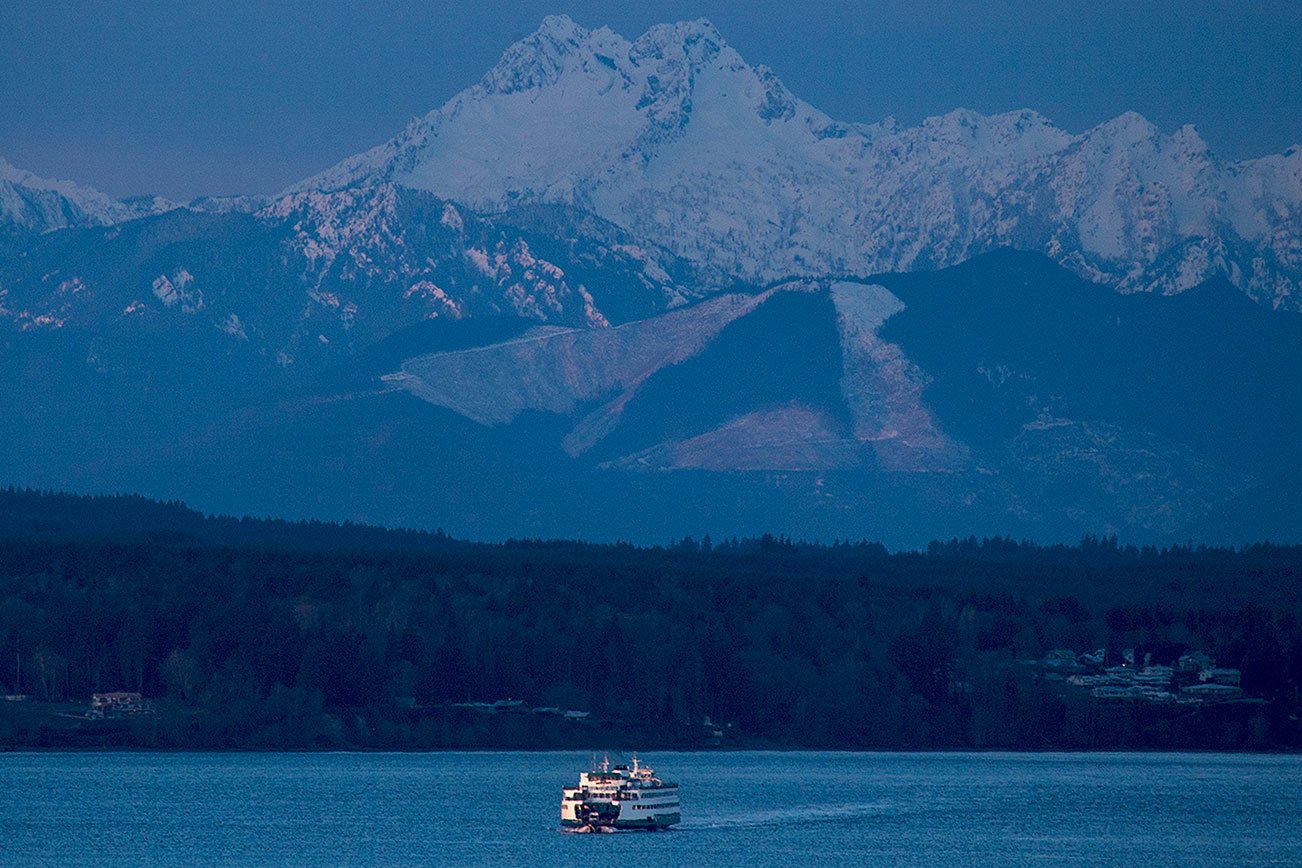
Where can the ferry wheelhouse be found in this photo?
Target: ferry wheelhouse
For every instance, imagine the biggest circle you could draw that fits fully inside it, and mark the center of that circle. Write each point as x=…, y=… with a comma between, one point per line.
x=620, y=797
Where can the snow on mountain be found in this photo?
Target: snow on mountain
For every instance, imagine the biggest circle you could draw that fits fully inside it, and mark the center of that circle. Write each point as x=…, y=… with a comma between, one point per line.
x=32, y=204
x=229, y=204
x=456, y=263
x=676, y=138
x=314, y=276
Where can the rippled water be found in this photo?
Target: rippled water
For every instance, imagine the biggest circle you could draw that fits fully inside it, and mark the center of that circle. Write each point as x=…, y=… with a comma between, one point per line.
x=749, y=808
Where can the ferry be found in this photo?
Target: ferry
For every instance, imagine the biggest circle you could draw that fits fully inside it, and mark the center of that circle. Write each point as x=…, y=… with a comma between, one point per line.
x=610, y=798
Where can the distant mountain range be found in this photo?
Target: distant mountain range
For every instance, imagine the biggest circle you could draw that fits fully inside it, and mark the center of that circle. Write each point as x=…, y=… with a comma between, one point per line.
x=675, y=137
x=639, y=289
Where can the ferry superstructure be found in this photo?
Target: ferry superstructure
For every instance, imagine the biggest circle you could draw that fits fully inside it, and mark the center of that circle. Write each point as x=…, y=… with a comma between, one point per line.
x=620, y=797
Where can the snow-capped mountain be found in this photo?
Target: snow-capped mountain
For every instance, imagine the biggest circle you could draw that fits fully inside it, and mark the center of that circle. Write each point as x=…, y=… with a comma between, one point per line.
x=676, y=138
x=638, y=289
x=34, y=205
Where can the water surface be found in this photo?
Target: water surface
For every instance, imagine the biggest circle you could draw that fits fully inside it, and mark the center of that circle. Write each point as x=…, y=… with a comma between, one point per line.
x=750, y=808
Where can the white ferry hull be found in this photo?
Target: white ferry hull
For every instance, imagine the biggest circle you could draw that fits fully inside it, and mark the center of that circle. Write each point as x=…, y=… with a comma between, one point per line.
x=661, y=821
x=620, y=798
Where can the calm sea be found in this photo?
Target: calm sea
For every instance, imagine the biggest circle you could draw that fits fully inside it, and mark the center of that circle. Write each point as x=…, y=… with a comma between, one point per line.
x=739, y=809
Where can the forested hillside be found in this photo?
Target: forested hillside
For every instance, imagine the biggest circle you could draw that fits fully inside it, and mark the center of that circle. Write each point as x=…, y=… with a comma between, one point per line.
x=262, y=634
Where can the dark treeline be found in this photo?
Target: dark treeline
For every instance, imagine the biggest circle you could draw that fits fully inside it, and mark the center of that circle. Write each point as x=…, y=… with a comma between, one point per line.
x=251, y=633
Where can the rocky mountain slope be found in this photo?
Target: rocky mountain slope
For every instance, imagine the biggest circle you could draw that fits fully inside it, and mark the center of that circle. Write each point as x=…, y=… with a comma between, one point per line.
x=1001, y=396
x=318, y=276
x=675, y=137
x=965, y=383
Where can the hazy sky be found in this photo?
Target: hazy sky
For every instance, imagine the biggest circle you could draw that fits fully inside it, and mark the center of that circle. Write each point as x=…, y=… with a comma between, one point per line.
x=186, y=97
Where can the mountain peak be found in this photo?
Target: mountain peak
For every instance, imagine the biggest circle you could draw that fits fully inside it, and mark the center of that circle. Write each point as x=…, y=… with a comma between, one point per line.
x=674, y=136
x=559, y=44
x=558, y=37
x=682, y=32
x=1188, y=138
x=694, y=42
x=1128, y=127
x=561, y=28
x=540, y=58
x=13, y=174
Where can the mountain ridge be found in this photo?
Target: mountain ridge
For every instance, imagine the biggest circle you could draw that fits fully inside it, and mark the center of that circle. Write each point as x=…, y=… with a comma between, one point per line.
x=718, y=161
x=722, y=163
x=622, y=289
x=35, y=205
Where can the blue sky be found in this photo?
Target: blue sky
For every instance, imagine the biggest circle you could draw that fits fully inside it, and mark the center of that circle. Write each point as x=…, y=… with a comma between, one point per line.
x=202, y=96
